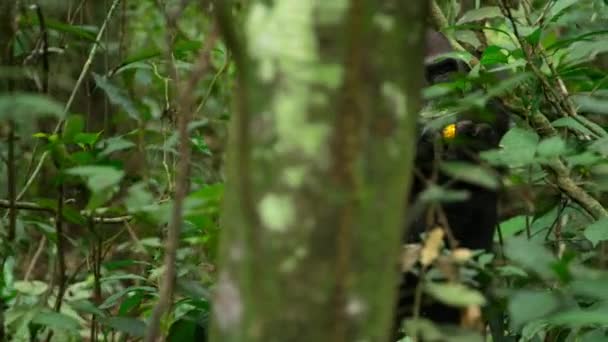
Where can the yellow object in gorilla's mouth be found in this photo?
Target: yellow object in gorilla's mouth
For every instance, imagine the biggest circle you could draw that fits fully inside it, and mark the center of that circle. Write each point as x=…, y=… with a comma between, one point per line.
x=449, y=131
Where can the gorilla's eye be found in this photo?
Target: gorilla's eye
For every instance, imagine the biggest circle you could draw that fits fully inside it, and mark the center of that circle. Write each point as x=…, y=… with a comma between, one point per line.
x=449, y=131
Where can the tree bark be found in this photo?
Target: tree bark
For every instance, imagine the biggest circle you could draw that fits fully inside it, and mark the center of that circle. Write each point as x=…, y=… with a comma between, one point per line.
x=319, y=160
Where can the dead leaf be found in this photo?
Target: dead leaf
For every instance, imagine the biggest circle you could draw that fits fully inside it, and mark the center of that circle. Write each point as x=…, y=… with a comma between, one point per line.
x=432, y=246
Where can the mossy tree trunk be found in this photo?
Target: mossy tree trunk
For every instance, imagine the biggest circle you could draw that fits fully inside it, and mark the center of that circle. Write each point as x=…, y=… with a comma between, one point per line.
x=319, y=159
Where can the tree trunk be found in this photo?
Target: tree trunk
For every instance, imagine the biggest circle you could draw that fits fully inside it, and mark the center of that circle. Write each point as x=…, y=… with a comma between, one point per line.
x=320, y=154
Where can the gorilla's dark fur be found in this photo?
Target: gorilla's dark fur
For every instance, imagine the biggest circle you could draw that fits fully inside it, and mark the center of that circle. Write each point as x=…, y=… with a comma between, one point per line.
x=471, y=222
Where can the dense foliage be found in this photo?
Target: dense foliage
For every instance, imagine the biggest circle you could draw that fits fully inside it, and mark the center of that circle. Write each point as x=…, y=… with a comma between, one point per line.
x=90, y=150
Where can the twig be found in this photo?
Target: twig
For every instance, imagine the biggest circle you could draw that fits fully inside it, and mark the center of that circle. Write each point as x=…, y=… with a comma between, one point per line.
x=36, y=207
x=68, y=105
x=559, y=99
x=561, y=173
x=184, y=113
x=212, y=84
x=45, y=49
x=35, y=258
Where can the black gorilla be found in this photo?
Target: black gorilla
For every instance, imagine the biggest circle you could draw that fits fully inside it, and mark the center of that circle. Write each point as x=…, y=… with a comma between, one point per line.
x=470, y=222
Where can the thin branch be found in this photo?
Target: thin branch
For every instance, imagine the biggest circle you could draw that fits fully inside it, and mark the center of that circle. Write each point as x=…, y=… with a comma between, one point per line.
x=36, y=207
x=83, y=73
x=562, y=174
x=186, y=104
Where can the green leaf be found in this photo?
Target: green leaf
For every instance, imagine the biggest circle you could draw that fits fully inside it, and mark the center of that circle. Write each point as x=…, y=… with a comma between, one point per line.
x=506, y=86
x=98, y=177
x=85, y=32
x=32, y=288
x=531, y=255
x=512, y=226
x=480, y=14
x=115, y=144
x=436, y=193
x=600, y=146
x=591, y=104
x=470, y=173
x=74, y=124
x=113, y=299
x=117, y=96
x=571, y=123
x=24, y=107
x=455, y=294
x=597, y=231
x=592, y=288
x=583, y=51
x=181, y=46
x=86, y=139
x=551, y=147
x=528, y=305
x=559, y=7
x=138, y=198
x=131, y=326
x=578, y=317
x=87, y=307
x=493, y=55
x=534, y=37
x=56, y=320
x=518, y=147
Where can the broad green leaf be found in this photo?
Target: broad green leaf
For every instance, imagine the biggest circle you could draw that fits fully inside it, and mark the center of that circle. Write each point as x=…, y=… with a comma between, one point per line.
x=592, y=288
x=26, y=107
x=591, y=104
x=551, y=147
x=86, y=139
x=74, y=125
x=493, y=55
x=455, y=294
x=85, y=32
x=559, y=7
x=583, y=51
x=528, y=305
x=534, y=37
x=113, y=299
x=86, y=306
x=32, y=288
x=115, y=144
x=145, y=54
x=129, y=325
x=138, y=198
x=571, y=123
x=470, y=173
x=117, y=96
x=56, y=320
x=531, y=255
x=597, y=231
x=577, y=317
x=98, y=177
x=438, y=194
x=600, y=146
x=512, y=226
x=506, y=86
x=518, y=147
x=480, y=14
